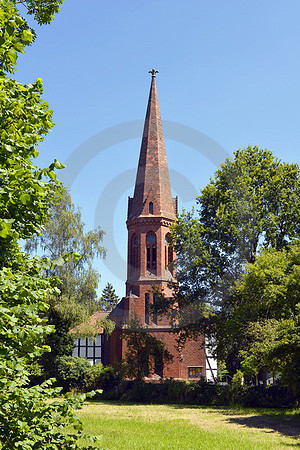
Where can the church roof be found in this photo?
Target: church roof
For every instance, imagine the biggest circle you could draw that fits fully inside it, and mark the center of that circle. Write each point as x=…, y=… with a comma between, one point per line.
x=92, y=321
x=152, y=181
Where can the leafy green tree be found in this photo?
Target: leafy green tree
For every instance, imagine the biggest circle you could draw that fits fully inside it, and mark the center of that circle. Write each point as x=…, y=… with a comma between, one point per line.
x=28, y=417
x=109, y=298
x=252, y=202
x=264, y=314
x=63, y=234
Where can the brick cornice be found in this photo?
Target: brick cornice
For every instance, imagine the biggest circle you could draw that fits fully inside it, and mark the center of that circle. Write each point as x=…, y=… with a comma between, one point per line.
x=154, y=280
x=147, y=220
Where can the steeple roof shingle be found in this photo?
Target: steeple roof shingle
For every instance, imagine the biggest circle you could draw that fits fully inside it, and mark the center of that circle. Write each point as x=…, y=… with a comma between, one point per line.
x=152, y=181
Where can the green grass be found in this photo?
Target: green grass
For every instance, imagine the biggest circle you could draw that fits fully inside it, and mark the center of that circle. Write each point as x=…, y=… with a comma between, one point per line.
x=136, y=426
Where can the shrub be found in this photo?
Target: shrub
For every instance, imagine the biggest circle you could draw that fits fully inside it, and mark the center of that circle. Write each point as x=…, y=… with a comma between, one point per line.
x=99, y=377
x=71, y=372
x=266, y=397
x=93, y=376
x=202, y=393
x=238, y=379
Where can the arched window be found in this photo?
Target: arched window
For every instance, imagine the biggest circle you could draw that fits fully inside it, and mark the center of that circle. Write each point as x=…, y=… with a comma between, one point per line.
x=150, y=208
x=151, y=251
x=134, y=252
x=168, y=253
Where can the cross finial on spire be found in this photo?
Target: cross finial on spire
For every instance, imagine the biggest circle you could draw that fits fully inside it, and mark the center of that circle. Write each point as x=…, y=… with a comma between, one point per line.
x=153, y=72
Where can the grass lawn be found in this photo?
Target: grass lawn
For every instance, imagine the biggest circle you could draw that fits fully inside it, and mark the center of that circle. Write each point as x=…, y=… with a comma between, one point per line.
x=137, y=426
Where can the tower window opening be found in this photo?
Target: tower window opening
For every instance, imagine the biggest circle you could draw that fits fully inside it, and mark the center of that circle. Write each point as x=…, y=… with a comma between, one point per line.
x=170, y=259
x=155, y=313
x=168, y=254
x=166, y=257
x=148, y=257
x=151, y=251
x=153, y=257
x=134, y=252
x=151, y=208
x=147, y=304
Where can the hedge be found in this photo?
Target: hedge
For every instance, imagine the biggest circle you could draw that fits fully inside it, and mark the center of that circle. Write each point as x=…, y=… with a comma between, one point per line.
x=201, y=393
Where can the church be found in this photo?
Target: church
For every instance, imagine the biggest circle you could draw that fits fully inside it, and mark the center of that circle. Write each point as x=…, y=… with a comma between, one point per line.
x=151, y=212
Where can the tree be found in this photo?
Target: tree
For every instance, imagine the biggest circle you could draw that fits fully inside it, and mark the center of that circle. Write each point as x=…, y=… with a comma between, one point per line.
x=42, y=10
x=109, y=298
x=28, y=417
x=144, y=352
x=264, y=314
x=252, y=203
x=63, y=234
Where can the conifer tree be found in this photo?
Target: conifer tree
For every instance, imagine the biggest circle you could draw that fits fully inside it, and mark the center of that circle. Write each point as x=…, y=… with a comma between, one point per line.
x=109, y=298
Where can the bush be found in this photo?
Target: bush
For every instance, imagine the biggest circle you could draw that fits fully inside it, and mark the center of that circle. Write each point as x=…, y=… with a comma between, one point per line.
x=99, y=377
x=71, y=372
x=202, y=393
x=93, y=376
x=265, y=397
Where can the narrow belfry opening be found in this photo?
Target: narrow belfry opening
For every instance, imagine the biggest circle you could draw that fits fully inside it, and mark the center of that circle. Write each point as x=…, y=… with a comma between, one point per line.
x=151, y=251
x=147, y=305
x=134, y=252
x=168, y=254
x=155, y=313
x=153, y=257
x=150, y=208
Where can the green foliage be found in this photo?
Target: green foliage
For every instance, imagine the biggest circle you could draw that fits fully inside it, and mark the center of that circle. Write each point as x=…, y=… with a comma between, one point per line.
x=238, y=379
x=252, y=199
x=90, y=328
x=71, y=371
x=64, y=240
x=63, y=234
x=15, y=35
x=42, y=10
x=29, y=419
x=99, y=377
x=202, y=393
x=251, y=204
x=250, y=366
x=266, y=305
x=142, y=350
x=28, y=422
x=25, y=190
x=93, y=376
x=109, y=298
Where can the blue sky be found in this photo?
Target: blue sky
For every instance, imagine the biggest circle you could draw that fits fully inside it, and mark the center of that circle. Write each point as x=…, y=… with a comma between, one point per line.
x=228, y=70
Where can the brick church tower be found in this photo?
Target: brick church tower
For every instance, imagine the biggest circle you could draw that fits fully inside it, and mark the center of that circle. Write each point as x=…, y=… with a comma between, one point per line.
x=151, y=212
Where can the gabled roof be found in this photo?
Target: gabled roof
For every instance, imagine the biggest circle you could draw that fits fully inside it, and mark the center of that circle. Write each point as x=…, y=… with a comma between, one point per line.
x=92, y=320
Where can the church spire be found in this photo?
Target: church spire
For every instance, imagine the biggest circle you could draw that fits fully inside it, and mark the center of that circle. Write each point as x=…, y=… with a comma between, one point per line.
x=152, y=194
